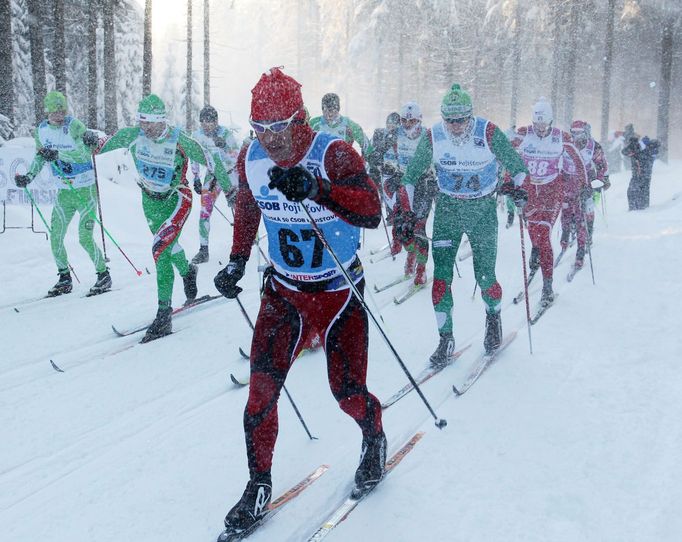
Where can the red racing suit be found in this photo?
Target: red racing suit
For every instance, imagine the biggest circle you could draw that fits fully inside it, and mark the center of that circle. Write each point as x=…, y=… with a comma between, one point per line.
x=545, y=158
x=298, y=306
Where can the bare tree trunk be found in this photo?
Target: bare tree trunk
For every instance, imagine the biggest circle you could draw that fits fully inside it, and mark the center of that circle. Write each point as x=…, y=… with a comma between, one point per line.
x=516, y=62
x=147, y=50
x=6, y=86
x=35, y=31
x=188, y=95
x=557, y=58
x=606, y=79
x=110, y=86
x=569, y=90
x=663, y=116
x=207, y=54
x=59, y=47
x=93, y=10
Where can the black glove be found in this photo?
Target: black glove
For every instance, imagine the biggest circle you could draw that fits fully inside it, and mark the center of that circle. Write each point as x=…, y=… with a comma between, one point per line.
x=22, y=181
x=607, y=183
x=49, y=155
x=389, y=170
x=197, y=185
x=518, y=195
x=220, y=142
x=226, y=280
x=586, y=193
x=296, y=183
x=231, y=197
x=392, y=184
x=90, y=139
x=212, y=183
x=405, y=223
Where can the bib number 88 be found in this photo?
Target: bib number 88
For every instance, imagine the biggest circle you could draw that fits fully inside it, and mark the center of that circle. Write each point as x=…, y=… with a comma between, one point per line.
x=536, y=167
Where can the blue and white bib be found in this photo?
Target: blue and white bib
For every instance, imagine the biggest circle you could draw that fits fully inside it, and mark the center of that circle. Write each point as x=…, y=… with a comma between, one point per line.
x=155, y=161
x=466, y=171
x=79, y=173
x=294, y=249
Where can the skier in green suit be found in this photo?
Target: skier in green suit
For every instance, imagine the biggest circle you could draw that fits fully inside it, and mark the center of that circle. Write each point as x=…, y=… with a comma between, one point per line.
x=331, y=122
x=162, y=155
x=465, y=151
x=67, y=145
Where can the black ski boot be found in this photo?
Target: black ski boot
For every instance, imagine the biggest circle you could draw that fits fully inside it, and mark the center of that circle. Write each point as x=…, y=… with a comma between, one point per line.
x=250, y=509
x=64, y=284
x=102, y=284
x=510, y=219
x=372, y=465
x=190, y=283
x=547, y=293
x=534, y=262
x=493, y=332
x=444, y=352
x=579, y=258
x=161, y=326
x=201, y=256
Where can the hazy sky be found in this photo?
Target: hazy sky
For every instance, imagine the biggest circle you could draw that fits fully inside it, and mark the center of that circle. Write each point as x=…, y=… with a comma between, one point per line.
x=237, y=60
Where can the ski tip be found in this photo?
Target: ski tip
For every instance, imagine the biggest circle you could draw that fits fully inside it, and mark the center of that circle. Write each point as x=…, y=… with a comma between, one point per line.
x=56, y=367
x=243, y=354
x=16, y=310
x=237, y=382
x=457, y=392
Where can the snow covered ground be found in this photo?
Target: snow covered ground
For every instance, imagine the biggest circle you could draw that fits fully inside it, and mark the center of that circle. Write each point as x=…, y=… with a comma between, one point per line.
x=579, y=441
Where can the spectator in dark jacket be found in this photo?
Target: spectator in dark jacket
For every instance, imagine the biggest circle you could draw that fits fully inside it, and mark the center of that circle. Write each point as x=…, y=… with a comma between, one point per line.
x=642, y=153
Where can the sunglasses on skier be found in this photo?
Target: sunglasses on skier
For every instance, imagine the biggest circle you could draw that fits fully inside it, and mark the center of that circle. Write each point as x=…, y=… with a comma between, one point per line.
x=458, y=120
x=275, y=127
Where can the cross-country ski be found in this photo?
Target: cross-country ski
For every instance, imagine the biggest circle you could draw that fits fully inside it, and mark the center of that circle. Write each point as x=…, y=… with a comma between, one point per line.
x=481, y=364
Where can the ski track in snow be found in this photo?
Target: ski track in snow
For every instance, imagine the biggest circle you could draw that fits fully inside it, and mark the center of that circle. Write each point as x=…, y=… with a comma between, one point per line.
x=579, y=441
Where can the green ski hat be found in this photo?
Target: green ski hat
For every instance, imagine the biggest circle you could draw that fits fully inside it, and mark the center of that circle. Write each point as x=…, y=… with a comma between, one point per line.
x=456, y=103
x=151, y=109
x=54, y=101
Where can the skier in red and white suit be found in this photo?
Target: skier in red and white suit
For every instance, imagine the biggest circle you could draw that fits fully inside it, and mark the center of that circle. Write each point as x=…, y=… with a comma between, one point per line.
x=543, y=149
x=305, y=294
x=597, y=169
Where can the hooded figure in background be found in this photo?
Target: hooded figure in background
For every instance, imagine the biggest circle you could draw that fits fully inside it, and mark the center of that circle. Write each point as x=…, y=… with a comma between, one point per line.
x=642, y=153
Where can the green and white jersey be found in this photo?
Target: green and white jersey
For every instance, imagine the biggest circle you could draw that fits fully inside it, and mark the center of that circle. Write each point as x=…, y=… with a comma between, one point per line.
x=75, y=159
x=344, y=128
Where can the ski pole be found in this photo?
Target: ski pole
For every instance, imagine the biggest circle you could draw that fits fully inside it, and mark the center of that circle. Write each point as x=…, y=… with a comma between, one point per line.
x=92, y=213
x=457, y=269
x=298, y=413
x=525, y=279
x=383, y=221
x=440, y=422
x=589, y=248
x=223, y=215
x=473, y=296
x=40, y=214
x=99, y=209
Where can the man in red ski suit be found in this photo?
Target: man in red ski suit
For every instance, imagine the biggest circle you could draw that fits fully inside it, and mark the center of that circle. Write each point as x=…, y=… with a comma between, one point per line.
x=578, y=207
x=287, y=167
x=543, y=149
